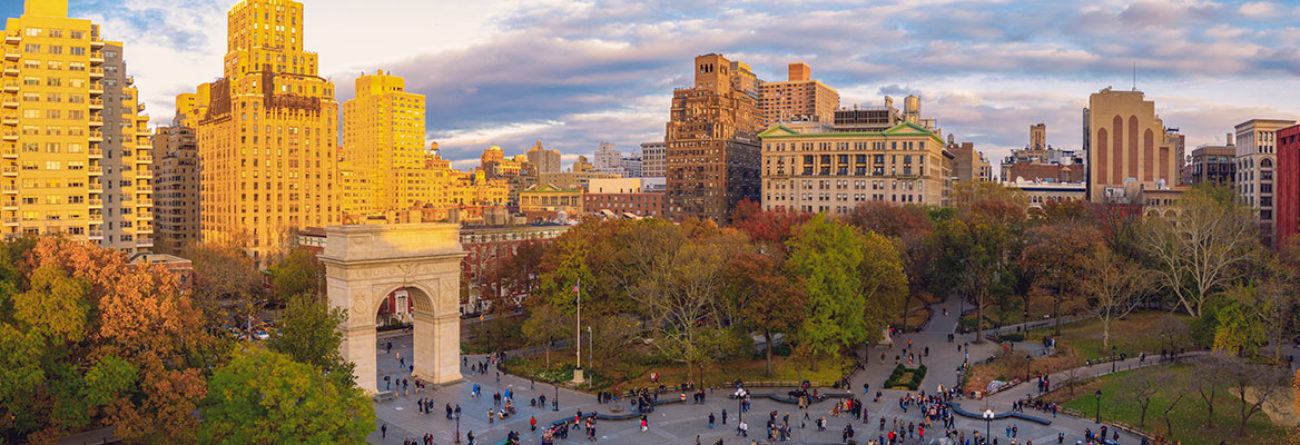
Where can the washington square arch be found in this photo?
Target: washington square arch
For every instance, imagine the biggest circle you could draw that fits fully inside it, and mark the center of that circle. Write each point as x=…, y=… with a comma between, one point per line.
x=366, y=263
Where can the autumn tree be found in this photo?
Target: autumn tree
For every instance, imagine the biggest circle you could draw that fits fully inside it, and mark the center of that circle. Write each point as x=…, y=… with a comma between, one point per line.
x=827, y=254
x=92, y=339
x=1115, y=286
x=765, y=298
x=1201, y=250
x=226, y=284
x=1054, y=255
x=265, y=397
x=884, y=284
x=768, y=230
x=977, y=251
x=683, y=302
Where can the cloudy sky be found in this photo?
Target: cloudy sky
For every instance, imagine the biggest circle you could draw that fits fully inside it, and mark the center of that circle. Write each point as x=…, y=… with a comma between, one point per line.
x=572, y=73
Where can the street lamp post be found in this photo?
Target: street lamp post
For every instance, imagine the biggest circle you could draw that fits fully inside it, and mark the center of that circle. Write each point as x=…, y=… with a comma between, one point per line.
x=1099, y=406
x=988, y=423
x=1112, y=359
x=457, y=428
x=740, y=409
x=555, y=403
x=1028, y=359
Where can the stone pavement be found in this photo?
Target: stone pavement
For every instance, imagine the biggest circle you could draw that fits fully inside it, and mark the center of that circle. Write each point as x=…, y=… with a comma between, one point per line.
x=680, y=424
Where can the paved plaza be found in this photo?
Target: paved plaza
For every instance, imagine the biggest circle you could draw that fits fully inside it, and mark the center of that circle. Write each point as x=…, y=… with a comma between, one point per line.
x=680, y=424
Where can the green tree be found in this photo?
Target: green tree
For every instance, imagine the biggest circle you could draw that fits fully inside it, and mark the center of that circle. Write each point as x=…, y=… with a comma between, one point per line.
x=827, y=254
x=545, y=325
x=309, y=334
x=295, y=274
x=884, y=284
x=1240, y=329
x=765, y=298
x=262, y=396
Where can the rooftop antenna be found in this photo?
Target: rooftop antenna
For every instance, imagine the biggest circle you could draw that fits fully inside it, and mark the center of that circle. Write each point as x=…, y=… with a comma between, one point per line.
x=1135, y=75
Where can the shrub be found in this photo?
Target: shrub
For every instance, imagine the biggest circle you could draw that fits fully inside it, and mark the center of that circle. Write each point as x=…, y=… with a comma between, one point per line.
x=1012, y=337
x=902, y=377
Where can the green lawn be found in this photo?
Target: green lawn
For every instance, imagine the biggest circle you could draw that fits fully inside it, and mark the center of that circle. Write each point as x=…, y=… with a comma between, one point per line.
x=1187, y=417
x=1142, y=331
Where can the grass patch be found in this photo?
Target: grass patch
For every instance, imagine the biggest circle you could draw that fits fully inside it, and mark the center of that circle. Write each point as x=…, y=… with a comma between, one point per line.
x=1079, y=342
x=632, y=370
x=1187, y=418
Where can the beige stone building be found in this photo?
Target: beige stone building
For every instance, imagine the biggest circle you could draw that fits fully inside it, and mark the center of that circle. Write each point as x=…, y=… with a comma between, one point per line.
x=268, y=141
x=652, y=159
x=798, y=98
x=810, y=167
x=1256, y=162
x=543, y=160
x=76, y=154
x=1127, y=142
x=383, y=134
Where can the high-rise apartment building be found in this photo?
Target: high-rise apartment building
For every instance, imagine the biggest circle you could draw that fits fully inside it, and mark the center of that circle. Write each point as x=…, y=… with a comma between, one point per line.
x=712, y=159
x=383, y=135
x=1256, y=154
x=810, y=167
x=1287, y=190
x=608, y=160
x=75, y=150
x=543, y=160
x=176, y=178
x=798, y=98
x=267, y=142
x=1127, y=142
x=652, y=159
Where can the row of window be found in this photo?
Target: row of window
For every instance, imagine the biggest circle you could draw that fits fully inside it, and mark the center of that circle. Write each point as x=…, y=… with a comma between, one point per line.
x=845, y=146
x=33, y=48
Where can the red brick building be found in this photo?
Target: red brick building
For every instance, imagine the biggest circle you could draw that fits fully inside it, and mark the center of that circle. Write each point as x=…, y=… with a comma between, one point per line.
x=643, y=204
x=1287, y=187
x=485, y=247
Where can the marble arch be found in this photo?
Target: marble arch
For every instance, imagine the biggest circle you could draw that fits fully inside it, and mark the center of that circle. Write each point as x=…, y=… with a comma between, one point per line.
x=364, y=263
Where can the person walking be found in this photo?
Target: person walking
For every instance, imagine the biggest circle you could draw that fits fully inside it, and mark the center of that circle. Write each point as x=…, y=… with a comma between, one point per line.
x=710, y=420
x=645, y=424
x=383, y=431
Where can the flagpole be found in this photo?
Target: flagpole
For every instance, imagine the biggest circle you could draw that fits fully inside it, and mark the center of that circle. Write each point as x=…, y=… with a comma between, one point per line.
x=577, y=374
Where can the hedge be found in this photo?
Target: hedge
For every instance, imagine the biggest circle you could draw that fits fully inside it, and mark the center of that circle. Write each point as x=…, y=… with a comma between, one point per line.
x=896, y=377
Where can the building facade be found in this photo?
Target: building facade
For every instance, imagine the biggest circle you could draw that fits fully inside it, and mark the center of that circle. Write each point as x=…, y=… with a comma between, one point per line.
x=76, y=151
x=712, y=157
x=489, y=247
x=1255, y=158
x=1287, y=188
x=176, y=193
x=608, y=160
x=813, y=168
x=652, y=159
x=1214, y=164
x=798, y=98
x=383, y=135
x=1038, y=136
x=1126, y=141
x=267, y=142
x=543, y=160
x=623, y=197
x=546, y=203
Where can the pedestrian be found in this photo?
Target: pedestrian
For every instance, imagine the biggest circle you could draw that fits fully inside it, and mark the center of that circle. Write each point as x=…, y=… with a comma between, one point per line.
x=710, y=420
x=532, y=423
x=645, y=424
x=390, y=347
x=383, y=430
x=470, y=436
x=724, y=417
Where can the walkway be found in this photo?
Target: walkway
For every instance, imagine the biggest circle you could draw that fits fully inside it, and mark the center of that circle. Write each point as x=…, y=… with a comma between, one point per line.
x=680, y=424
